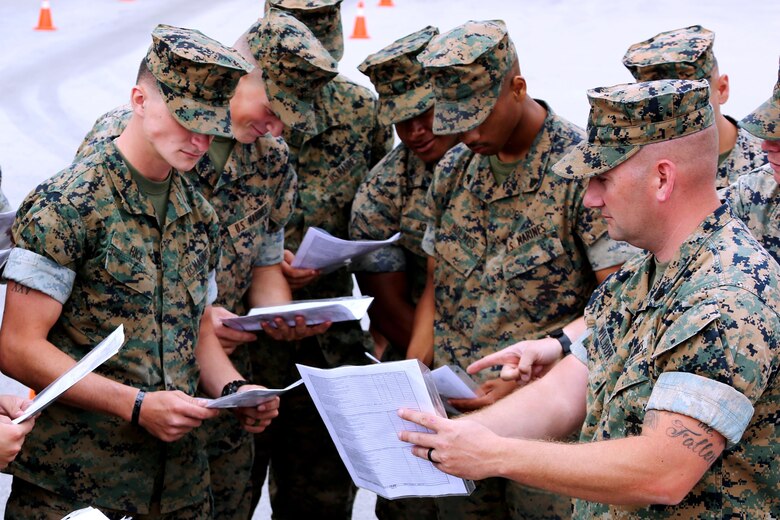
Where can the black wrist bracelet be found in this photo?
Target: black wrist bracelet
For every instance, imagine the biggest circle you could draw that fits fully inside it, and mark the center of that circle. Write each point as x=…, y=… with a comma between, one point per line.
x=233, y=386
x=563, y=339
x=139, y=399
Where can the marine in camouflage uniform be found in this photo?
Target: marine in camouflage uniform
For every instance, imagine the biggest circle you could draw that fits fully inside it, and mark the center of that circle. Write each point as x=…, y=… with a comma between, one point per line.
x=253, y=193
x=392, y=199
x=687, y=53
x=307, y=477
x=514, y=258
x=684, y=340
x=755, y=198
x=90, y=239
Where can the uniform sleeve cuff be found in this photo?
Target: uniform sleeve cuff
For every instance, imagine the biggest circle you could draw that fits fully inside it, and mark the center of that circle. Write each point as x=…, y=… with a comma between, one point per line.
x=718, y=405
x=390, y=259
x=40, y=273
x=211, y=295
x=429, y=240
x=270, y=250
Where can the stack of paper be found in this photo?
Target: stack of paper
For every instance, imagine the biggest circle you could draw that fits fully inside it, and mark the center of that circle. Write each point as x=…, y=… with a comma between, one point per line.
x=88, y=513
x=321, y=250
x=359, y=406
x=96, y=357
x=253, y=397
x=313, y=311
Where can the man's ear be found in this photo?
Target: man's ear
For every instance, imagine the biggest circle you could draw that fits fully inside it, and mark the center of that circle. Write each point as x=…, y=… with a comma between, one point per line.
x=666, y=175
x=722, y=87
x=518, y=87
x=138, y=99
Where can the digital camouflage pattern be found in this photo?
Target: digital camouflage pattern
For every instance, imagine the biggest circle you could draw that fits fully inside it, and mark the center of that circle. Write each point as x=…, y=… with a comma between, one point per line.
x=404, y=88
x=764, y=121
x=89, y=228
x=28, y=502
x=678, y=54
x=322, y=17
x=625, y=117
x=467, y=66
x=253, y=197
x=393, y=199
x=295, y=66
x=196, y=76
x=745, y=157
x=330, y=167
x=712, y=318
x=513, y=261
x=755, y=199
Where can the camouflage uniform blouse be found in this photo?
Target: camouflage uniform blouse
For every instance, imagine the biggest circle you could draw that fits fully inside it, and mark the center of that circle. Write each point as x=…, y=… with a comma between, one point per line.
x=330, y=167
x=755, y=198
x=90, y=240
x=513, y=261
x=702, y=342
x=393, y=199
x=745, y=157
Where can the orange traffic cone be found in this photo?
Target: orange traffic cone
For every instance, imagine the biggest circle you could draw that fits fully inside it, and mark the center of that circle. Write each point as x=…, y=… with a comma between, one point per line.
x=386, y=3
x=360, y=23
x=44, y=18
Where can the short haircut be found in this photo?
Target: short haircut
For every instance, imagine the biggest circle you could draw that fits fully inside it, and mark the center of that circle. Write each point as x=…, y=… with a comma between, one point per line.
x=144, y=74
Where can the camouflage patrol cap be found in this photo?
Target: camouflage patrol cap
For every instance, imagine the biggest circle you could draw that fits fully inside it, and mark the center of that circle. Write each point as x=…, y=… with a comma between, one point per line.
x=196, y=76
x=322, y=17
x=764, y=122
x=467, y=66
x=295, y=66
x=403, y=86
x=679, y=54
x=626, y=117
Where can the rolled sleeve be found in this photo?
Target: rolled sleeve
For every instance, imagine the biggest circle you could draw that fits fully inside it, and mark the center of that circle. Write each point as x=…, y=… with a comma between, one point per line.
x=429, y=240
x=716, y=404
x=40, y=273
x=605, y=253
x=270, y=249
x=211, y=287
x=390, y=259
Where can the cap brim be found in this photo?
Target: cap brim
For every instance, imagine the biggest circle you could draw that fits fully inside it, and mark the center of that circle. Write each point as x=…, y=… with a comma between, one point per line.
x=294, y=113
x=196, y=116
x=454, y=117
x=764, y=122
x=588, y=160
x=395, y=109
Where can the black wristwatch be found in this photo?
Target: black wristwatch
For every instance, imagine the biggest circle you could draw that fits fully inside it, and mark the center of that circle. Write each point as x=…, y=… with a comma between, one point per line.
x=563, y=339
x=233, y=386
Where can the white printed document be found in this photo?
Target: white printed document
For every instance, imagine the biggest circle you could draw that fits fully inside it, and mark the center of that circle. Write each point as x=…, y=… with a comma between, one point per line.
x=359, y=406
x=88, y=513
x=321, y=250
x=96, y=357
x=453, y=382
x=253, y=397
x=313, y=311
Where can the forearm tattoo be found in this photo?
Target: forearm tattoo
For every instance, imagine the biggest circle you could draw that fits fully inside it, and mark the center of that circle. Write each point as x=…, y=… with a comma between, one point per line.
x=699, y=441
x=21, y=289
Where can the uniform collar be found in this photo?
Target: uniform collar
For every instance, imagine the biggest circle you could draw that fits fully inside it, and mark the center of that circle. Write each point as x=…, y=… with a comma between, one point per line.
x=528, y=174
x=130, y=196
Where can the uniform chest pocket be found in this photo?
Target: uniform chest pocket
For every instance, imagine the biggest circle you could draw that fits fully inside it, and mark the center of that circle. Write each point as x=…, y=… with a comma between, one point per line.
x=525, y=258
x=125, y=264
x=463, y=254
x=413, y=230
x=194, y=274
x=245, y=234
x=342, y=182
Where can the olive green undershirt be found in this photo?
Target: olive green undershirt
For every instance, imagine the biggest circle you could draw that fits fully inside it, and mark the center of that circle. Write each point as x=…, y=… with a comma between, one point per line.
x=722, y=157
x=501, y=170
x=157, y=191
x=219, y=151
x=659, y=268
